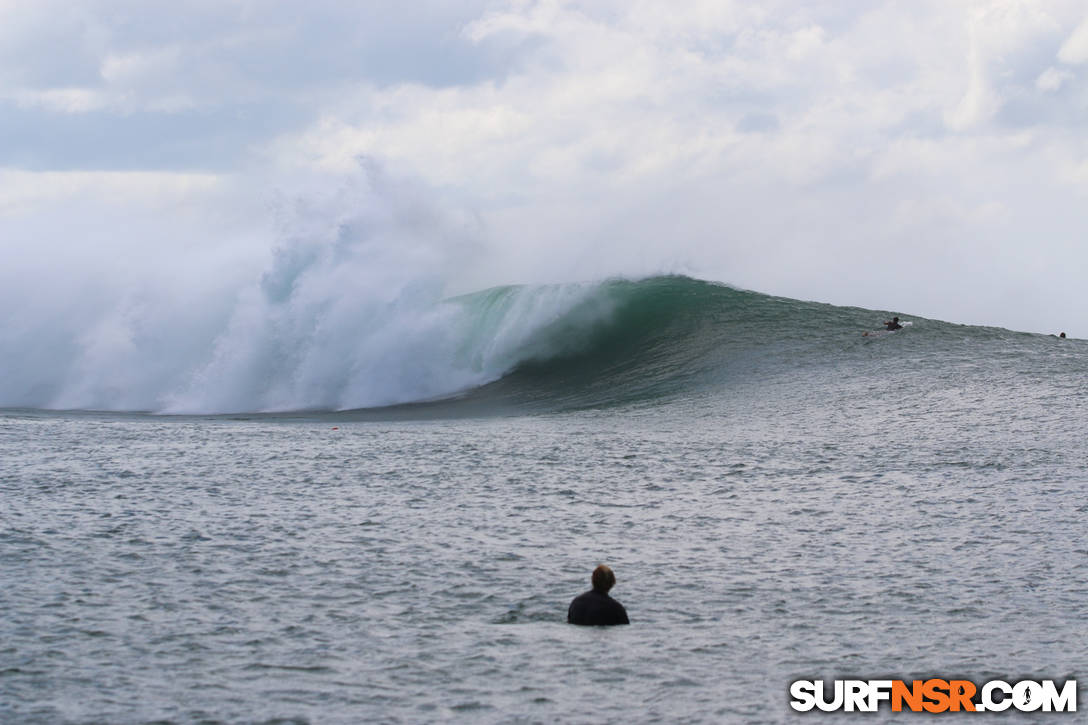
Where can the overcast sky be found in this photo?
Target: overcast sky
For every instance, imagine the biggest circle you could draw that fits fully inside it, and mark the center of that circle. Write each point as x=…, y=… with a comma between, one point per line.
x=921, y=157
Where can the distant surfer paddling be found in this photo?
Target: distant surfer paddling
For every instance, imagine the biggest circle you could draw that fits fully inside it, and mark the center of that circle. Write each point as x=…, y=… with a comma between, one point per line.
x=595, y=607
x=889, y=326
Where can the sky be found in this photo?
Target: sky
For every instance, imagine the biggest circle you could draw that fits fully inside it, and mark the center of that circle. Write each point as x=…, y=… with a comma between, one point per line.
x=918, y=157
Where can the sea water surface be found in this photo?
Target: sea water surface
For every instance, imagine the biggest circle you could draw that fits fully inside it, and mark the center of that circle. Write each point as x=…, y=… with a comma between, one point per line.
x=780, y=498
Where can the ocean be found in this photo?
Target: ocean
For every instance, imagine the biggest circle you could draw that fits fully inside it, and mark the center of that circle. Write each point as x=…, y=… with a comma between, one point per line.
x=280, y=523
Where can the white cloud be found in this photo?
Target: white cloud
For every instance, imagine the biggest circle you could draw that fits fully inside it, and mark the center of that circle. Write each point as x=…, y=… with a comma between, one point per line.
x=762, y=143
x=1075, y=49
x=60, y=100
x=137, y=68
x=979, y=103
x=29, y=193
x=1052, y=79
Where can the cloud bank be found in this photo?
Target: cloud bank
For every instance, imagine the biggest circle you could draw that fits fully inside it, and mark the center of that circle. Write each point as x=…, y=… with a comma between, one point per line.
x=924, y=158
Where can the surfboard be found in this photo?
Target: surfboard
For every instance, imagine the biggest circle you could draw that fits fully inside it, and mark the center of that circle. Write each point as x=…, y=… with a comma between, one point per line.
x=881, y=333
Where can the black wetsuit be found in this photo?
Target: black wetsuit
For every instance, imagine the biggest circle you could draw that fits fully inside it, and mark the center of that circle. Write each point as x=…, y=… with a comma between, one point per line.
x=596, y=607
x=893, y=325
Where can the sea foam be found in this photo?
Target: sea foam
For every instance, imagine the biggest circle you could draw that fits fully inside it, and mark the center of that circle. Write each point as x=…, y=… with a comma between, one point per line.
x=347, y=306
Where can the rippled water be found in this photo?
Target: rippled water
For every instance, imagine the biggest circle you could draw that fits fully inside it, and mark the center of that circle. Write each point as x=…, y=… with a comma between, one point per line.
x=922, y=521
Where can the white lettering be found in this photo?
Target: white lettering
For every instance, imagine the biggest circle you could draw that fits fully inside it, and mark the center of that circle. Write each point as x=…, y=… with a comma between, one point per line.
x=879, y=690
x=988, y=702
x=1064, y=701
x=803, y=693
x=1027, y=696
x=855, y=695
x=835, y=703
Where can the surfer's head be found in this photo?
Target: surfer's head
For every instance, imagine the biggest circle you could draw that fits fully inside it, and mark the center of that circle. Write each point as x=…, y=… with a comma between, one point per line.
x=895, y=319
x=603, y=579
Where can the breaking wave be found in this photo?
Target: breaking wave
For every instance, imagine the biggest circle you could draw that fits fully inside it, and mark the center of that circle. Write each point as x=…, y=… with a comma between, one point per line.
x=351, y=311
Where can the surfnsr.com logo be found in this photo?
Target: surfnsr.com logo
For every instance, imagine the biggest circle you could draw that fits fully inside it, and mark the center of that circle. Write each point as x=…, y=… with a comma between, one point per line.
x=934, y=695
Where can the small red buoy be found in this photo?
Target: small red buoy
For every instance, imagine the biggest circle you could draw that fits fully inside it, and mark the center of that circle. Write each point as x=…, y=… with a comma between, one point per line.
x=336, y=427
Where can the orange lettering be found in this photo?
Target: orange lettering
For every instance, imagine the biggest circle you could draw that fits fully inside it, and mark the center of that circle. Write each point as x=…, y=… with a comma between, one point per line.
x=936, y=691
x=912, y=695
x=961, y=693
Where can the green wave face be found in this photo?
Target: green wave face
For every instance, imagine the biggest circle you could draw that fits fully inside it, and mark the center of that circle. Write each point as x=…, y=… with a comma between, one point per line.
x=562, y=347
x=628, y=342
x=623, y=342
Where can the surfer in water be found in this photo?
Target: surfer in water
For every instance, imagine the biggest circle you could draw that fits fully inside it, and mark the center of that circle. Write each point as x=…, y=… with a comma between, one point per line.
x=893, y=324
x=595, y=607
